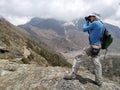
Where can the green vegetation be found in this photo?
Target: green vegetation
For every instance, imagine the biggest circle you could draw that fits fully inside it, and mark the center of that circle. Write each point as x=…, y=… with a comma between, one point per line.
x=25, y=60
x=52, y=57
x=111, y=68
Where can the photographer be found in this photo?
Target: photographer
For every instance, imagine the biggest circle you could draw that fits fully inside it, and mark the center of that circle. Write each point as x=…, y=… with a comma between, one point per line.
x=94, y=28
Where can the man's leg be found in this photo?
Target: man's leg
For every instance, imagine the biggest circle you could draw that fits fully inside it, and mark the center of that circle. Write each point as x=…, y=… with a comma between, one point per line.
x=75, y=67
x=77, y=61
x=98, y=70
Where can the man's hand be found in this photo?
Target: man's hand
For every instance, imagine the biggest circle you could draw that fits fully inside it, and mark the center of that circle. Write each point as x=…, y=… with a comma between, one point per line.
x=86, y=18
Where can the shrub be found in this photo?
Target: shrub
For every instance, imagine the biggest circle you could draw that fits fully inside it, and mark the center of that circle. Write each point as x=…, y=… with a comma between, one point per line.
x=52, y=57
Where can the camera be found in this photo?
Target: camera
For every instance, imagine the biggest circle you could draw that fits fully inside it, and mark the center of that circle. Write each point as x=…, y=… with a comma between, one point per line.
x=87, y=19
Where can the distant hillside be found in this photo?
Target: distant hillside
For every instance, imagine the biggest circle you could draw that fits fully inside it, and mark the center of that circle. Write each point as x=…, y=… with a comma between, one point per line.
x=18, y=45
x=66, y=36
x=45, y=24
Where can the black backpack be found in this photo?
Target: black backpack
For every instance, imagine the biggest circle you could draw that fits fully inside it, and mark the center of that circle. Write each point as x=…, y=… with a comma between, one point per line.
x=106, y=39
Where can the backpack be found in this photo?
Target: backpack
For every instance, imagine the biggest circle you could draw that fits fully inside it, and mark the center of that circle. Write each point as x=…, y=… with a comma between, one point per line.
x=106, y=39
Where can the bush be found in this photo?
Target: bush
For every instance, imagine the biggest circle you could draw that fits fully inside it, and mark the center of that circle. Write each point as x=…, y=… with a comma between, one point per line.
x=52, y=57
x=25, y=60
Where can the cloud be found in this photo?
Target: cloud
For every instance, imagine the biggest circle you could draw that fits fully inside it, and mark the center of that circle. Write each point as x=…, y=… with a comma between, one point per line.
x=20, y=11
x=18, y=20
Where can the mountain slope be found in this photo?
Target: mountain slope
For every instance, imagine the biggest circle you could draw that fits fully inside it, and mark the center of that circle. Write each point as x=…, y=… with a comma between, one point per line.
x=19, y=44
x=11, y=39
x=48, y=24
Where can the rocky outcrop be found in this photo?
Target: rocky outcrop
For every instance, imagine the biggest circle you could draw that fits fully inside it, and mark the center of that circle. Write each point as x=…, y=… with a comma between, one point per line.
x=14, y=76
x=26, y=52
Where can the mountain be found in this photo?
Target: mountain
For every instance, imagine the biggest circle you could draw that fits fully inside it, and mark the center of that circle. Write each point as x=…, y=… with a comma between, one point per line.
x=18, y=45
x=66, y=36
x=113, y=29
x=48, y=24
x=55, y=33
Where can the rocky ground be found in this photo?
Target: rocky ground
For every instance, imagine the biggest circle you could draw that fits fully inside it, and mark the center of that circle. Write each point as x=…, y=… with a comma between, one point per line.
x=14, y=76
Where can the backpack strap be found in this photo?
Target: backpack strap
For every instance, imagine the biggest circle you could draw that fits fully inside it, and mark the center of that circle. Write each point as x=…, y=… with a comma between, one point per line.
x=105, y=53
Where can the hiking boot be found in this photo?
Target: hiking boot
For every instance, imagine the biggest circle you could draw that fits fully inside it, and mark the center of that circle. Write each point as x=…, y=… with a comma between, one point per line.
x=99, y=83
x=69, y=76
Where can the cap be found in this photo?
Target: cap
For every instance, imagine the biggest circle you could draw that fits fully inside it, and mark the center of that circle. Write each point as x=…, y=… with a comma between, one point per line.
x=95, y=15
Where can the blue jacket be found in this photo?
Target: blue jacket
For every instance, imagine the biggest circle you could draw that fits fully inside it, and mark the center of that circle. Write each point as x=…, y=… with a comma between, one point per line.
x=95, y=31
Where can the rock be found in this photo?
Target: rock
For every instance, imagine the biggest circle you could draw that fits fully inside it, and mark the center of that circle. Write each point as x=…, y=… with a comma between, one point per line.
x=78, y=85
x=4, y=72
x=26, y=52
x=69, y=85
x=14, y=76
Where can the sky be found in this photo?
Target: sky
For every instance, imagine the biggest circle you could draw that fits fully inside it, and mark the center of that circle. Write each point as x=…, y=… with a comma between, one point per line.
x=21, y=11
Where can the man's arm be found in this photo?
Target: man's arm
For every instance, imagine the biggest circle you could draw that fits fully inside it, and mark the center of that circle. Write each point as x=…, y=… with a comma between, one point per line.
x=87, y=27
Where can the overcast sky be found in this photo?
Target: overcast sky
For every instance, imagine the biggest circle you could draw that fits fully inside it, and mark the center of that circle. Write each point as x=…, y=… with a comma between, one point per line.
x=21, y=11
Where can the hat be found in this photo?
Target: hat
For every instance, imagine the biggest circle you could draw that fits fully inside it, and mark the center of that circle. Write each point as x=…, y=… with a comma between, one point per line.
x=95, y=15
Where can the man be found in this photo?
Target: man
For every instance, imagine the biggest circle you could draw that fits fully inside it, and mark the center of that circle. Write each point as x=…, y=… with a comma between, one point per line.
x=94, y=28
